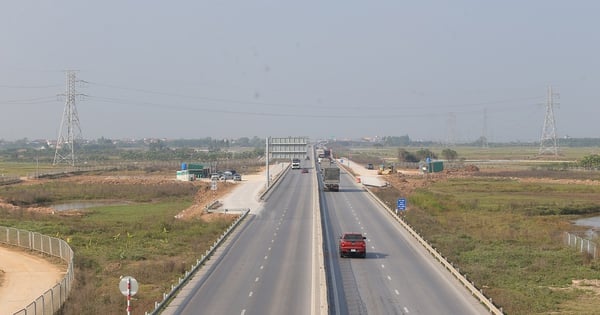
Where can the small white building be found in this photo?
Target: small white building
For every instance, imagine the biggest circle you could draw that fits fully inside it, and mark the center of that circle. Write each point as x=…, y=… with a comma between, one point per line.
x=184, y=175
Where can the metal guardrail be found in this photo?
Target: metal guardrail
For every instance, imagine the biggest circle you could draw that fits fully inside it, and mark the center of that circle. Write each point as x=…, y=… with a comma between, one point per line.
x=167, y=297
x=449, y=266
x=438, y=256
x=53, y=299
x=274, y=183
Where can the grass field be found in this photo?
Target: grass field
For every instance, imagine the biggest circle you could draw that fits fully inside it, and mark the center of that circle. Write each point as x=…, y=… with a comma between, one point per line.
x=504, y=233
x=140, y=239
x=507, y=236
x=470, y=153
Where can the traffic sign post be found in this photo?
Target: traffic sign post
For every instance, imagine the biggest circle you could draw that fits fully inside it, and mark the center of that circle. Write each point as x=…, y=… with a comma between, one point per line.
x=401, y=205
x=128, y=287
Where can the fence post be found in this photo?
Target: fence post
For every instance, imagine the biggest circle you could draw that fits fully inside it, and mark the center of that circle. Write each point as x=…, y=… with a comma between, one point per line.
x=588, y=247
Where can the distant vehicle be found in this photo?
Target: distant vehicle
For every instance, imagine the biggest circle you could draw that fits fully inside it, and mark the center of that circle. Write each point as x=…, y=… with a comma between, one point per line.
x=214, y=176
x=321, y=153
x=295, y=163
x=304, y=170
x=353, y=244
x=331, y=178
x=237, y=177
x=370, y=166
x=226, y=175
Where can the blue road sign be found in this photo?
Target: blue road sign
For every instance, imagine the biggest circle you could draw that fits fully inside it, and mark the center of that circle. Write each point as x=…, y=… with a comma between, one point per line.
x=401, y=204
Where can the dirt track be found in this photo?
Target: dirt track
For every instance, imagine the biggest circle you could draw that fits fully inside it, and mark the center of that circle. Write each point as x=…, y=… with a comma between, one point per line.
x=24, y=277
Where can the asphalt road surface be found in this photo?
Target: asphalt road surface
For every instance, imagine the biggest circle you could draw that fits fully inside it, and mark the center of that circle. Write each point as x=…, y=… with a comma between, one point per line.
x=397, y=276
x=266, y=266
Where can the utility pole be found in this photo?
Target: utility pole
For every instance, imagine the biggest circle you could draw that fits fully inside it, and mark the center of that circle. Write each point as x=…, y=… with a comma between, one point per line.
x=484, y=141
x=70, y=132
x=548, y=143
x=451, y=130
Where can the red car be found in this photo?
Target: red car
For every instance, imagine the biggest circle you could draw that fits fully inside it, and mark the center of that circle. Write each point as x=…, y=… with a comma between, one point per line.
x=304, y=170
x=353, y=244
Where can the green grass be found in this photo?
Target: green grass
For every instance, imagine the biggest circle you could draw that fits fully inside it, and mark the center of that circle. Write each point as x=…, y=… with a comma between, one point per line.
x=506, y=235
x=141, y=239
x=20, y=169
x=526, y=153
x=52, y=192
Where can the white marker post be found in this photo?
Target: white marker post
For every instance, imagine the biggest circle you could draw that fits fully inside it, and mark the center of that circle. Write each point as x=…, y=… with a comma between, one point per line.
x=128, y=296
x=129, y=288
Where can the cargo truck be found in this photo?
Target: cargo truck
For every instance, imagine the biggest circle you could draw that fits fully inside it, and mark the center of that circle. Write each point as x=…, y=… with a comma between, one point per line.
x=295, y=163
x=320, y=152
x=331, y=178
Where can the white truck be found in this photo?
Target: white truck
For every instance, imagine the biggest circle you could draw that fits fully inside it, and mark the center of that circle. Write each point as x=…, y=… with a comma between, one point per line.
x=295, y=163
x=331, y=178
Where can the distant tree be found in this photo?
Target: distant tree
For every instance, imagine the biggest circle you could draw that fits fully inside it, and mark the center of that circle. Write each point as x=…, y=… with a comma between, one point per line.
x=481, y=141
x=449, y=154
x=590, y=161
x=243, y=141
x=405, y=156
x=105, y=142
x=157, y=145
x=422, y=154
x=257, y=142
x=396, y=141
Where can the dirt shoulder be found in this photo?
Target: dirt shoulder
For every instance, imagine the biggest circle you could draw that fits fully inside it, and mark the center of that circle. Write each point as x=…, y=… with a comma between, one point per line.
x=25, y=277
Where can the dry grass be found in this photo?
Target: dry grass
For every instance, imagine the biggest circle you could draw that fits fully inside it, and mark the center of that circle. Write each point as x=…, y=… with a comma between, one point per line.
x=141, y=238
x=489, y=224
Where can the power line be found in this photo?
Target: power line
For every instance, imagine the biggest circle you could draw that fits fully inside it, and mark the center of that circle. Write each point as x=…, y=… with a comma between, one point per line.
x=29, y=86
x=36, y=100
x=269, y=114
x=317, y=106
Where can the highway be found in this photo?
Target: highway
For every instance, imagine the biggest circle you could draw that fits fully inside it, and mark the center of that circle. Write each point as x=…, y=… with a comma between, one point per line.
x=397, y=276
x=266, y=267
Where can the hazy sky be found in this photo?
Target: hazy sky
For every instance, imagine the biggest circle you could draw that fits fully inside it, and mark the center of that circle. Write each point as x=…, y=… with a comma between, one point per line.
x=433, y=70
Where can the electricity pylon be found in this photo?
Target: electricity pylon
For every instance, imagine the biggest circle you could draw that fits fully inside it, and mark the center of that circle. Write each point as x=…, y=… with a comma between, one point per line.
x=69, y=134
x=484, y=140
x=548, y=143
x=451, y=130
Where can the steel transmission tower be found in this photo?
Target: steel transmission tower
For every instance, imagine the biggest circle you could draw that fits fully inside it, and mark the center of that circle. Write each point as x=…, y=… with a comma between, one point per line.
x=484, y=140
x=548, y=143
x=451, y=130
x=69, y=134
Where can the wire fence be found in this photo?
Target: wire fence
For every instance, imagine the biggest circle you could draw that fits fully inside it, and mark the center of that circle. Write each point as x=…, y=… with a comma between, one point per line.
x=9, y=180
x=52, y=300
x=582, y=244
x=55, y=172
